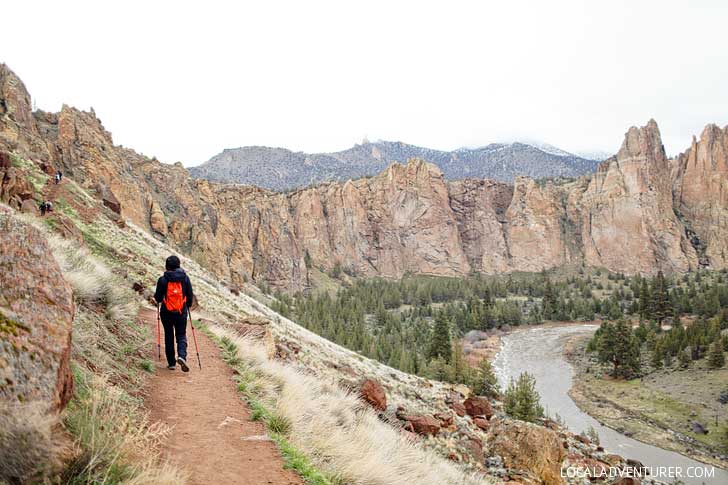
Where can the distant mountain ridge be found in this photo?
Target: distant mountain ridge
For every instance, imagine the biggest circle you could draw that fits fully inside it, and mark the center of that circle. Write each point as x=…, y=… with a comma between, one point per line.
x=282, y=169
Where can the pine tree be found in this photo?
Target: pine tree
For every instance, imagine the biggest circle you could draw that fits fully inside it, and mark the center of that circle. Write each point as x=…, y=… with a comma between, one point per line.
x=549, y=302
x=440, y=342
x=716, y=358
x=618, y=346
x=661, y=304
x=521, y=400
x=645, y=300
x=487, y=381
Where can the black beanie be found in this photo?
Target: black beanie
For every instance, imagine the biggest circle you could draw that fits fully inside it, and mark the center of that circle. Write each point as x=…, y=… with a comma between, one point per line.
x=172, y=263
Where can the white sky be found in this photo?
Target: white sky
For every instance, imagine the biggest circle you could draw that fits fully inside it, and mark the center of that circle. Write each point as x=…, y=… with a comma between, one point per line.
x=183, y=80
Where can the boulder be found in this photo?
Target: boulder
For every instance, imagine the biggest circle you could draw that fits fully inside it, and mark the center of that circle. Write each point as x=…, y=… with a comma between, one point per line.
x=423, y=424
x=481, y=423
x=529, y=448
x=445, y=419
x=372, y=392
x=458, y=407
x=478, y=406
x=36, y=311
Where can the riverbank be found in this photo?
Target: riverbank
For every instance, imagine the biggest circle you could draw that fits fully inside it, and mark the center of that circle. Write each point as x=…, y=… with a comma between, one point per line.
x=663, y=409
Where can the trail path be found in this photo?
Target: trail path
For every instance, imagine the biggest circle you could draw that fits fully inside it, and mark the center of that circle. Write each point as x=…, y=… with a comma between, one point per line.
x=212, y=436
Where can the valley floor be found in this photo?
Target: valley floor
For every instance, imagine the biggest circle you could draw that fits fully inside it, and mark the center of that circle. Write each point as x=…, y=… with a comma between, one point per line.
x=659, y=409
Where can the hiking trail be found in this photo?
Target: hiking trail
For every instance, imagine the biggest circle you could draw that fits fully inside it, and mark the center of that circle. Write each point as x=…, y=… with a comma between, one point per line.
x=212, y=436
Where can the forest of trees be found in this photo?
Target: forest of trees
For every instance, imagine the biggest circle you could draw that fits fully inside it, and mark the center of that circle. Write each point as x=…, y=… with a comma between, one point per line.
x=411, y=324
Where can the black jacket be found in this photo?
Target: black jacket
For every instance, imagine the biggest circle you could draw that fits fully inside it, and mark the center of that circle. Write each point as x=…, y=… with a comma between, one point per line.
x=176, y=275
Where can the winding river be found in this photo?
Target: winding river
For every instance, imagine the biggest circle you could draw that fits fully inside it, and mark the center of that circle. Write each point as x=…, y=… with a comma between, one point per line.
x=539, y=351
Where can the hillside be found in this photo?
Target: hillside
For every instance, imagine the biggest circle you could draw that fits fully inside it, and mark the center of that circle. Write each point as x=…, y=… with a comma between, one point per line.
x=280, y=169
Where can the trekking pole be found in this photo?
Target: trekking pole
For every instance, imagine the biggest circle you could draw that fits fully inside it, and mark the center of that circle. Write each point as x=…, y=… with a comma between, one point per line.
x=194, y=337
x=159, y=337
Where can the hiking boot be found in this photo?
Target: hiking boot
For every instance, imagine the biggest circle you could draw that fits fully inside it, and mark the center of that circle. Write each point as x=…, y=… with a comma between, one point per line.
x=171, y=367
x=183, y=363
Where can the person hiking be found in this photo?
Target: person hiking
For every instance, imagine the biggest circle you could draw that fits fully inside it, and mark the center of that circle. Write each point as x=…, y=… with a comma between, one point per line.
x=173, y=296
x=58, y=178
x=49, y=206
x=43, y=208
x=60, y=175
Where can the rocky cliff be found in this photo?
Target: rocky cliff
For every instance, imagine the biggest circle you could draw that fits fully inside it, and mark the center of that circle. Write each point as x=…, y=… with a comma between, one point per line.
x=640, y=212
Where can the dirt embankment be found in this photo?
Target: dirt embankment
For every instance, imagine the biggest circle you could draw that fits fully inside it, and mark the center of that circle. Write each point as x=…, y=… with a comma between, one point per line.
x=663, y=409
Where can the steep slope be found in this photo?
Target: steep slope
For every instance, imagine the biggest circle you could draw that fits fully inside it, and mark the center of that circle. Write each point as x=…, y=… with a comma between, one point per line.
x=281, y=169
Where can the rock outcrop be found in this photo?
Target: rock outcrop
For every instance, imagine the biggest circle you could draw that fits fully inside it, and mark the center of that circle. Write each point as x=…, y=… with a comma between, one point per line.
x=701, y=195
x=36, y=311
x=372, y=392
x=639, y=213
x=629, y=224
x=529, y=450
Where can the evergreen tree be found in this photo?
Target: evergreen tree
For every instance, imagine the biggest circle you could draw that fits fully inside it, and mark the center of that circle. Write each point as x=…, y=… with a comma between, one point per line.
x=645, y=300
x=487, y=381
x=549, y=302
x=716, y=358
x=440, y=342
x=661, y=304
x=521, y=400
x=618, y=346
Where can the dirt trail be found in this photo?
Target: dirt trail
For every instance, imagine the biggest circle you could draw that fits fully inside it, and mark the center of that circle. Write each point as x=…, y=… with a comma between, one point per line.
x=212, y=436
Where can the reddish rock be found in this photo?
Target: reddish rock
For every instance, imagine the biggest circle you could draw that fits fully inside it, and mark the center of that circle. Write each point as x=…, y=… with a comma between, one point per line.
x=445, y=419
x=424, y=425
x=475, y=447
x=478, y=406
x=139, y=287
x=528, y=447
x=459, y=408
x=36, y=311
x=481, y=422
x=582, y=439
x=372, y=392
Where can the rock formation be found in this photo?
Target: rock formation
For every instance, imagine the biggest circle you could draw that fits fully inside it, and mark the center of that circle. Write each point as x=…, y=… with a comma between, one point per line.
x=701, y=194
x=36, y=310
x=639, y=213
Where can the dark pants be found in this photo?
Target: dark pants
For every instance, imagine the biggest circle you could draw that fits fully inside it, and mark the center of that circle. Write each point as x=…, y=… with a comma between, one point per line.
x=174, y=324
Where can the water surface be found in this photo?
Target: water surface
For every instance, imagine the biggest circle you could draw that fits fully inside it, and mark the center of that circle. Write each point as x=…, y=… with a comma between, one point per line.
x=539, y=351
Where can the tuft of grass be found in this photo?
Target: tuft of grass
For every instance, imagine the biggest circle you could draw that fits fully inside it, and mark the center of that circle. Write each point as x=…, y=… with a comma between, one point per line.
x=147, y=365
x=278, y=424
x=28, y=447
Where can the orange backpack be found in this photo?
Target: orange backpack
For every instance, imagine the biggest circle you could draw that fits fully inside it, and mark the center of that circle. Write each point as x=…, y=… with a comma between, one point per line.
x=175, y=299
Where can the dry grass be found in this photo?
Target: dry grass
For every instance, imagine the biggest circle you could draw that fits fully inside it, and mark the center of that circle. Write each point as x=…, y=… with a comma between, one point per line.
x=341, y=436
x=92, y=281
x=116, y=443
x=28, y=445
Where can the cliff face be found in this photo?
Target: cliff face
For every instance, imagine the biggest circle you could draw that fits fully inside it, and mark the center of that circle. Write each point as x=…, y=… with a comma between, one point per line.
x=629, y=224
x=701, y=194
x=640, y=212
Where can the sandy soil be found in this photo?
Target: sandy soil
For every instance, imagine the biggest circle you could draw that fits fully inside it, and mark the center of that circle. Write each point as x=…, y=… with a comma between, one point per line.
x=212, y=436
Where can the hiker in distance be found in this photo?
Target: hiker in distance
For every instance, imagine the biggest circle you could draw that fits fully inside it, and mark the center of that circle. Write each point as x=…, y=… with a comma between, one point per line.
x=173, y=297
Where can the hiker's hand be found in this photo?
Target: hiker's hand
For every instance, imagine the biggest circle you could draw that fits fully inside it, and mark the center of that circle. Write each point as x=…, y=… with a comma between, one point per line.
x=195, y=304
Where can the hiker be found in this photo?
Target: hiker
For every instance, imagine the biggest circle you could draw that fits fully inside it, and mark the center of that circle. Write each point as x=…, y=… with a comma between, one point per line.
x=173, y=297
x=58, y=177
x=43, y=208
x=49, y=206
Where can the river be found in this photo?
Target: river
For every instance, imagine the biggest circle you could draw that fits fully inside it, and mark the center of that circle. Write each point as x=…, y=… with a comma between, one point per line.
x=539, y=351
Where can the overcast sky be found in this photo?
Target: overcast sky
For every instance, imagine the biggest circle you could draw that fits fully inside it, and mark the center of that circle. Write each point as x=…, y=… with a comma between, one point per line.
x=182, y=81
